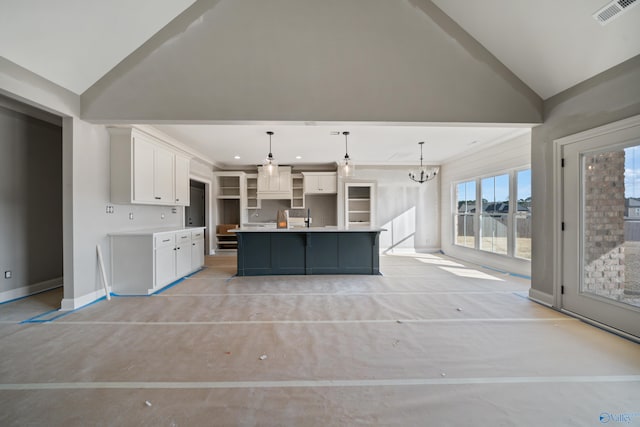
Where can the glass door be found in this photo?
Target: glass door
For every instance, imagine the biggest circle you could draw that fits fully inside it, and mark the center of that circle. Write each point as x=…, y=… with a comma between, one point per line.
x=601, y=238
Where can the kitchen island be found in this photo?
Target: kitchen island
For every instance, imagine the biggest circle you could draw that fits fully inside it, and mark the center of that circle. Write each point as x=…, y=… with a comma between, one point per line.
x=314, y=250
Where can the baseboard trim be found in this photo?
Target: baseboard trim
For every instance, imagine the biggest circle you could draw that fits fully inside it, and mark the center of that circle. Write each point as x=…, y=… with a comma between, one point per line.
x=541, y=297
x=69, y=304
x=25, y=291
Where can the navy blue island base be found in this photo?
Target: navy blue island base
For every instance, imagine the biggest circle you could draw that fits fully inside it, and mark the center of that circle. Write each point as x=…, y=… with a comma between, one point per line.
x=319, y=250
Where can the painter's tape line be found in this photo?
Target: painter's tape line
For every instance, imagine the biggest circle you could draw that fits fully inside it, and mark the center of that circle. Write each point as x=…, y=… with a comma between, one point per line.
x=321, y=383
x=30, y=295
x=169, y=286
x=194, y=273
x=313, y=322
x=335, y=294
x=36, y=319
x=522, y=276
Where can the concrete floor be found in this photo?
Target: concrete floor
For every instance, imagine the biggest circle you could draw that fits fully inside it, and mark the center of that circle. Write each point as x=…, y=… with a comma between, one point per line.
x=431, y=342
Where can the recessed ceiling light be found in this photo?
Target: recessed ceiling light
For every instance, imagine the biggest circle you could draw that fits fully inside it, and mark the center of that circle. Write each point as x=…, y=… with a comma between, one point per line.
x=298, y=157
x=236, y=157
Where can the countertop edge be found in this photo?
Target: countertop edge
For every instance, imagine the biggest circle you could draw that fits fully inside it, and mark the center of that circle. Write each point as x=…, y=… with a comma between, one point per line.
x=306, y=230
x=152, y=231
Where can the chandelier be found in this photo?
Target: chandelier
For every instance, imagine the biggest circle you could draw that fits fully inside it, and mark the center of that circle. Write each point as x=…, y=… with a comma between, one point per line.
x=423, y=174
x=270, y=166
x=346, y=167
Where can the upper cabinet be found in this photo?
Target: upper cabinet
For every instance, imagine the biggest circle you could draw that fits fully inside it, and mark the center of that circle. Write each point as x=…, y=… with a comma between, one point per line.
x=182, y=180
x=146, y=171
x=275, y=187
x=320, y=183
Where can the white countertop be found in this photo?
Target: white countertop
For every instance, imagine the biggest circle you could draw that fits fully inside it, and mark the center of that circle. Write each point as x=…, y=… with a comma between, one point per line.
x=152, y=231
x=327, y=229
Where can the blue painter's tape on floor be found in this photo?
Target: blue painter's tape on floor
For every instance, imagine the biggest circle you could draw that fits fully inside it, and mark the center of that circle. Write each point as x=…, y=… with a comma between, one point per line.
x=40, y=318
x=28, y=296
x=169, y=286
x=522, y=276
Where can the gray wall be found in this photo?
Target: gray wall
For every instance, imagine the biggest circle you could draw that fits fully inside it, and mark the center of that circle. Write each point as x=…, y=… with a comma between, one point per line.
x=91, y=223
x=332, y=60
x=608, y=97
x=85, y=185
x=30, y=204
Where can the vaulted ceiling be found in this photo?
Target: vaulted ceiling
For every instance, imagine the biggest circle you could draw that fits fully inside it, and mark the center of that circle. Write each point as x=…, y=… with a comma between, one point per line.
x=548, y=45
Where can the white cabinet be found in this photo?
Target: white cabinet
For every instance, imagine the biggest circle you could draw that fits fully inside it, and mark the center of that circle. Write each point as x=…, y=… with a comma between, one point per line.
x=320, y=183
x=252, y=192
x=144, y=170
x=165, y=260
x=163, y=175
x=182, y=180
x=183, y=253
x=143, y=262
x=197, y=249
x=297, y=191
x=275, y=187
x=359, y=204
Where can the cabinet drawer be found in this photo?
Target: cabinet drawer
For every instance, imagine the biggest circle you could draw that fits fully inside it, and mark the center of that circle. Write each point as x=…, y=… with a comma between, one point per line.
x=197, y=235
x=165, y=240
x=183, y=237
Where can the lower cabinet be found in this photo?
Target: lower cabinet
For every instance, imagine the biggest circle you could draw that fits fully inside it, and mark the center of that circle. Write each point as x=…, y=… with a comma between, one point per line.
x=146, y=261
x=197, y=249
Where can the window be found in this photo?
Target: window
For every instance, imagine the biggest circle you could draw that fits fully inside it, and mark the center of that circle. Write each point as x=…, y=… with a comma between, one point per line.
x=494, y=219
x=523, y=215
x=466, y=198
x=485, y=219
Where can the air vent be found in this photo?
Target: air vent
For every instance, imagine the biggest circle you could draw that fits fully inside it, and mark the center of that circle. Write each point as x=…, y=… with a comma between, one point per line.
x=613, y=10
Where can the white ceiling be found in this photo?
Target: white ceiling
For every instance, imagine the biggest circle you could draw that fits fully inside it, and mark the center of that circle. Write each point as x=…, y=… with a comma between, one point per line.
x=73, y=43
x=550, y=45
x=317, y=144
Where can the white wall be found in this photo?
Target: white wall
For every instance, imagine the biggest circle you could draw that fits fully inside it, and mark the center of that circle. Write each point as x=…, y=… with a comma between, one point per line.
x=611, y=96
x=512, y=154
x=409, y=211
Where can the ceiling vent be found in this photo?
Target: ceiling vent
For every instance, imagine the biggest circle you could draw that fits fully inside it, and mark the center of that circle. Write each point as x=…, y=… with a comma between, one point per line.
x=612, y=10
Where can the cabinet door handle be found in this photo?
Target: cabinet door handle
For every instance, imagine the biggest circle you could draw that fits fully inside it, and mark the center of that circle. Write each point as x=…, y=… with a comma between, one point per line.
x=177, y=200
x=193, y=244
x=158, y=198
x=166, y=240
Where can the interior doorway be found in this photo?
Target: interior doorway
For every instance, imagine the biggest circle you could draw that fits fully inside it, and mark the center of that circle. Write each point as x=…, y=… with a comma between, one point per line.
x=31, y=176
x=195, y=213
x=198, y=213
x=601, y=219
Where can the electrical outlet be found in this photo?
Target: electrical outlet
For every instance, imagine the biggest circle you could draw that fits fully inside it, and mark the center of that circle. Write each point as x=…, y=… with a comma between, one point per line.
x=110, y=209
x=174, y=210
x=130, y=215
x=7, y=274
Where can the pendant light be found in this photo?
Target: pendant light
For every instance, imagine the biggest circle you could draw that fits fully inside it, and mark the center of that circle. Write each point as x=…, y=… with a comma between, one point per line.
x=423, y=174
x=346, y=167
x=270, y=166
